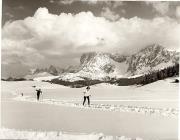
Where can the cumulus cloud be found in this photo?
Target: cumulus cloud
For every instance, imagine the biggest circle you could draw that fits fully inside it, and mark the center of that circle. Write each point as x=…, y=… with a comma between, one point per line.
x=45, y=38
x=160, y=7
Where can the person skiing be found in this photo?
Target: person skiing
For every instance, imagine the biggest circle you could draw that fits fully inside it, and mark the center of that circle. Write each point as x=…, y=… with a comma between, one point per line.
x=87, y=95
x=38, y=93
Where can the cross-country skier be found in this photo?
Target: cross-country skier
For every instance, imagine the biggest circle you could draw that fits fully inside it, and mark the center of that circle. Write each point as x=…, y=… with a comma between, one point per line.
x=38, y=93
x=87, y=95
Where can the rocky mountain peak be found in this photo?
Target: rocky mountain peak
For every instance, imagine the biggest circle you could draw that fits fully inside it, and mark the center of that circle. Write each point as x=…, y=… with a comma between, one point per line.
x=149, y=58
x=51, y=70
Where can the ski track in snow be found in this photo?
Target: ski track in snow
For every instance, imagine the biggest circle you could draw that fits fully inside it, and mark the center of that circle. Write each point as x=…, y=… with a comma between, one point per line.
x=57, y=135
x=166, y=112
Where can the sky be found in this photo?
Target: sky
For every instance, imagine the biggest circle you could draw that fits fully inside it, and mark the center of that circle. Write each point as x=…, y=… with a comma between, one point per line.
x=40, y=33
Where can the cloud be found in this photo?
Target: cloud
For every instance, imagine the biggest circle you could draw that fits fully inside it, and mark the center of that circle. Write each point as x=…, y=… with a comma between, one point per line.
x=117, y=4
x=114, y=3
x=109, y=10
x=60, y=2
x=51, y=1
x=108, y=14
x=178, y=11
x=66, y=1
x=45, y=38
x=160, y=7
x=90, y=1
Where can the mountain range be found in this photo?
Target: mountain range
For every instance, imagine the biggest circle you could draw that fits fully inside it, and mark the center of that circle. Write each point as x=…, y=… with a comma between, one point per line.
x=101, y=66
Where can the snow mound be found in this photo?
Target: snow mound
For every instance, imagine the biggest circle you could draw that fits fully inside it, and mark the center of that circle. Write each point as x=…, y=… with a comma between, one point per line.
x=56, y=135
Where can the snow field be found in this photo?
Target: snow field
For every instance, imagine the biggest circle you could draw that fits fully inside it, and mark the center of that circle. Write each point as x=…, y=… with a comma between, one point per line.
x=128, y=111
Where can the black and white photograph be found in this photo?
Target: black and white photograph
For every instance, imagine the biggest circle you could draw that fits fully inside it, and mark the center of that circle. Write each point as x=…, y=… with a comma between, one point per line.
x=90, y=70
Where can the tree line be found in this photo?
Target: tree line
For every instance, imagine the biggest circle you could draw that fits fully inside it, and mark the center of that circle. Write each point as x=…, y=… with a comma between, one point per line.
x=149, y=77
x=160, y=74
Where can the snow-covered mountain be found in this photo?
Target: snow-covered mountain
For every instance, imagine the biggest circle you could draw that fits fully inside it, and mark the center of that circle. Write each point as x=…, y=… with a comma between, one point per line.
x=51, y=70
x=102, y=66
x=96, y=66
x=44, y=72
x=153, y=57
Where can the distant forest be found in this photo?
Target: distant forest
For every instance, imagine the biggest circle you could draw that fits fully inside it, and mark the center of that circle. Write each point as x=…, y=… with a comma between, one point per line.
x=150, y=77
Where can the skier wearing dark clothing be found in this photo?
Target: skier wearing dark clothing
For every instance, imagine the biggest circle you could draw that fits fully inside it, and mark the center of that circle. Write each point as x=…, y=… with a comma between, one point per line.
x=87, y=96
x=38, y=93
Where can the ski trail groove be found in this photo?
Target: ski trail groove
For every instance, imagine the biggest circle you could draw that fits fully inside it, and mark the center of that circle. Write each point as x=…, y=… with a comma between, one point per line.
x=166, y=112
